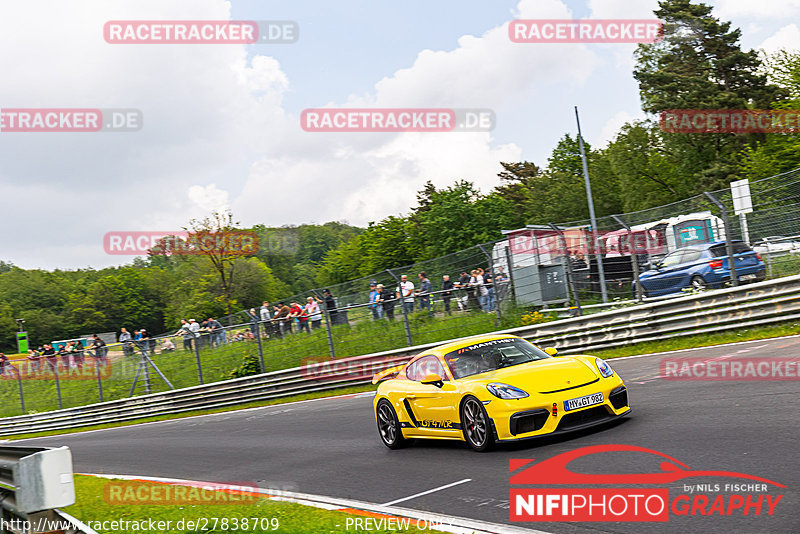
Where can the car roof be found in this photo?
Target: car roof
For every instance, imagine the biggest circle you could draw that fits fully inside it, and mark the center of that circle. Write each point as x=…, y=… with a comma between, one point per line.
x=467, y=341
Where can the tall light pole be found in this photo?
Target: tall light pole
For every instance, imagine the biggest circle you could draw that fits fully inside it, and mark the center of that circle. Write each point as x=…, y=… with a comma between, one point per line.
x=598, y=256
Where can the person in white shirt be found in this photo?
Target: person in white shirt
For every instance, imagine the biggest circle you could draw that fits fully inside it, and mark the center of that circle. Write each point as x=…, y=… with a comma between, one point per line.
x=405, y=291
x=314, y=313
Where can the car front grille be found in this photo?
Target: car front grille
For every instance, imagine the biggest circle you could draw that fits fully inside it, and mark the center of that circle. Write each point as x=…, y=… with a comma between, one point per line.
x=589, y=415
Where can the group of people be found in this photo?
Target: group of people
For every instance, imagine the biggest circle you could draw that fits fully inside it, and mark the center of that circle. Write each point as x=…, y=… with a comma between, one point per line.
x=210, y=332
x=481, y=291
x=281, y=319
x=47, y=358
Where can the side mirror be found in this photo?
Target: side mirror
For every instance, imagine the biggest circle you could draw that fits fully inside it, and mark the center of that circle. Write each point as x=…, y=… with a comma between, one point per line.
x=433, y=379
x=551, y=351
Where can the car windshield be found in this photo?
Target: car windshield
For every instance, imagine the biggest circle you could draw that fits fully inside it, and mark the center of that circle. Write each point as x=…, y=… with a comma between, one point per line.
x=492, y=355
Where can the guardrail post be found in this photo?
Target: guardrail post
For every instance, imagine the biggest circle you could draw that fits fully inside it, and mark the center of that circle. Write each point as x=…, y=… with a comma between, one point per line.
x=728, y=242
x=570, y=275
x=634, y=257
x=196, y=346
x=403, y=306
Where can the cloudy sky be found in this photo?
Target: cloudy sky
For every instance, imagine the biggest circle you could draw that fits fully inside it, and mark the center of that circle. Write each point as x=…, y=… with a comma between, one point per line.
x=221, y=122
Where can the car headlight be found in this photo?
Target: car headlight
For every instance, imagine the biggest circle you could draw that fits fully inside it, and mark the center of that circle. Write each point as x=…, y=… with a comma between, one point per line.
x=603, y=367
x=504, y=391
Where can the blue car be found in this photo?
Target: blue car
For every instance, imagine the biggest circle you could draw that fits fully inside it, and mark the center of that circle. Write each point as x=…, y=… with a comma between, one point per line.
x=701, y=266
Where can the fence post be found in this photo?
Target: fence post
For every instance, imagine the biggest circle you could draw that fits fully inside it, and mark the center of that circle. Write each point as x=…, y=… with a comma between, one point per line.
x=494, y=286
x=99, y=380
x=728, y=242
x=634, y=257
x=19, y=382
x=58, y=386
x=260, y=348
x=511, y=289
x=196, y=346
x=403, y=305
x=568, y=261
x=328, y=331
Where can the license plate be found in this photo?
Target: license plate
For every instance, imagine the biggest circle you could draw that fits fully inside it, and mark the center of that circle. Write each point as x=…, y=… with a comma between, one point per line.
x=747, y=277
x=583, y=402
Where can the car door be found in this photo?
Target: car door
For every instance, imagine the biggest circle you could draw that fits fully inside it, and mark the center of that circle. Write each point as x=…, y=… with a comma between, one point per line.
x=669, y=275
x=432, y=408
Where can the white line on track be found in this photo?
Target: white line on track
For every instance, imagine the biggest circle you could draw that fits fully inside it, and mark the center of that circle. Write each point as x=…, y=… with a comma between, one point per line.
x=434, y=490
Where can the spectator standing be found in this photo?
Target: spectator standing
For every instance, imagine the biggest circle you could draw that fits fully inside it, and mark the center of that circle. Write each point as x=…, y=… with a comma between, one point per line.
x=447, y=286
x=330, y=306
x=465, y=301
x=217, y=332
x=77, y=353
x=405, y=291
x=64, y=355
x=186, y=332
x=50, y=357
x=500, y=285
x=478, y=290
x=266, y=318
x=313, y=312
x=4, y=362
x=34, y=361
x=387, y=300
x=99, y=348
x=488, y=281
x=125, y=338
x=299, y=313
x=253, y=318
x=424, y=293
x=374, y=306
x=282, y=316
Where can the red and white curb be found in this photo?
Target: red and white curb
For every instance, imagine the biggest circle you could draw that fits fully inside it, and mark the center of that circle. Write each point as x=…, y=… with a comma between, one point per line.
x=420, y=520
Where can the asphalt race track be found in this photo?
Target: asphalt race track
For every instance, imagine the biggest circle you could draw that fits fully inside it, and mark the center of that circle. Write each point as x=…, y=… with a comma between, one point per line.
x=331, y=447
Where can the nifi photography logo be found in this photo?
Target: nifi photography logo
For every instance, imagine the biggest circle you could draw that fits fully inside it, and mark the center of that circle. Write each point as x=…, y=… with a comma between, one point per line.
x=590, y=498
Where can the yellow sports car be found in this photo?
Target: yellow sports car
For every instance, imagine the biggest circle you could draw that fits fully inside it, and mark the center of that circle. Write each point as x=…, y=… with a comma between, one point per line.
x=494, y=388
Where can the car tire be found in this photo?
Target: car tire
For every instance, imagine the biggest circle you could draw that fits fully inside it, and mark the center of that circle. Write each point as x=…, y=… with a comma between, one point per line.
x=476, y=425
x=697, y=282
x=389, y=426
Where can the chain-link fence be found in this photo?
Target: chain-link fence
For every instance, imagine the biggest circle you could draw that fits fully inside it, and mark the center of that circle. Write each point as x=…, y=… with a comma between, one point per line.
x=531, y=275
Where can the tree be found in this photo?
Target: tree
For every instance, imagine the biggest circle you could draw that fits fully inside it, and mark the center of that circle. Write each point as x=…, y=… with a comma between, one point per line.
x=699, y=65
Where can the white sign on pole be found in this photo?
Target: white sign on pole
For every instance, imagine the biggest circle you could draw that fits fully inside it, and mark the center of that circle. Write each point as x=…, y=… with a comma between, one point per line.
x=742, y=203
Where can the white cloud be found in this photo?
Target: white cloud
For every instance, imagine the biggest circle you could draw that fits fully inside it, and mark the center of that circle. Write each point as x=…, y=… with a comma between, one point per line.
x=765, y=9
x=612, y=126
x=787, y=38
x=623, y=9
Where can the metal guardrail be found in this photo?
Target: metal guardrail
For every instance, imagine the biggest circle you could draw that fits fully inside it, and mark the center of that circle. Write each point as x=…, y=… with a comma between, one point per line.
x=758, y=304
x=34, y=482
